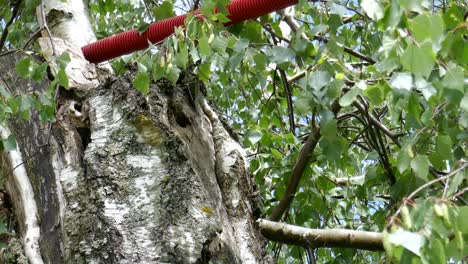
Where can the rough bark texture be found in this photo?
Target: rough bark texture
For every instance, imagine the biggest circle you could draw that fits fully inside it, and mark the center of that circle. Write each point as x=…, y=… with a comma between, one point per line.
x=134, y=179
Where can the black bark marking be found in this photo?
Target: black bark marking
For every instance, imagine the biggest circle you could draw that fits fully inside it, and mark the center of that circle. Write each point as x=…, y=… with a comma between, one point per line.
x=85, y=135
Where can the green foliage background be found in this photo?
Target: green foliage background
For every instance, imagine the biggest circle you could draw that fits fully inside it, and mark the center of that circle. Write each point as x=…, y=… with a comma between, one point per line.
x=392, y=159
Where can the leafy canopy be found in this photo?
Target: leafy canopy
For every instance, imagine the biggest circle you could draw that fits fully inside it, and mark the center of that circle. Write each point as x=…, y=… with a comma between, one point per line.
x=383, y=81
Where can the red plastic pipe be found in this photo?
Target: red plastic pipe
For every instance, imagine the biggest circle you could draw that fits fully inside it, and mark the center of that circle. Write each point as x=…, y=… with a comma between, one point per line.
x=130, y=41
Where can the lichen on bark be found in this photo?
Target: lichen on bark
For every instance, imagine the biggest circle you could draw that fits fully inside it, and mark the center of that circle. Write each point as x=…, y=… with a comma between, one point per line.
x=139, y=179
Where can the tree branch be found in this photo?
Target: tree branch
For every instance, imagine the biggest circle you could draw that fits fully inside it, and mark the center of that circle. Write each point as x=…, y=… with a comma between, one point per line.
x=345, y=238
x=301, y=163
x=288, y=90
x=196, y=4
x=8, y=24
x=378, y=124
x=295, y=27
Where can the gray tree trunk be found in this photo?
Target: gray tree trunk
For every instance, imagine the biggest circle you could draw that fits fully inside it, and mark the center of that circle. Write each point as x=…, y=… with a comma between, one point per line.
x=127, y=178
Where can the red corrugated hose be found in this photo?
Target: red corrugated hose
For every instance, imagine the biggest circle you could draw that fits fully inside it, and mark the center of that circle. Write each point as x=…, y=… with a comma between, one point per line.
x=130, y=41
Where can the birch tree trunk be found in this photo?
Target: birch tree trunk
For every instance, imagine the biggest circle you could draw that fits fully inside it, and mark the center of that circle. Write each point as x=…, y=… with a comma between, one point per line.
x=125, y=178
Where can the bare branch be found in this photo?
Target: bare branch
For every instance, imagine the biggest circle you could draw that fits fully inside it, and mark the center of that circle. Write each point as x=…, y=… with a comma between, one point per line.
x=345, y=238
x=377, y=123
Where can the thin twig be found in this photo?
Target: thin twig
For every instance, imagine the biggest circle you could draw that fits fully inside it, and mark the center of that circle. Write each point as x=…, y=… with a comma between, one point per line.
x=424, y=186
x=295, y=27
x=464, y=190
x=33, y=37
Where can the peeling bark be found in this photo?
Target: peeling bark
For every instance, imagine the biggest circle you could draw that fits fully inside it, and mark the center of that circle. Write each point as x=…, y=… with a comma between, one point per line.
x=153, y=179
x=24, y=198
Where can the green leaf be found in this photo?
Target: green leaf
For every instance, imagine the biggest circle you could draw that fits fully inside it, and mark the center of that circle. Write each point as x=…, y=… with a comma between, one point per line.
x=404, y=158
x=23, y=67
x=164, y=10
x=319, y=79
x=220, y=17
x=31, y=5
x=62, y=79
x=393, y=14
x=181, y=58
x=9, y=143
x=204, y=72
x=241, y=45
x=47, y=114
x=329, y=129
x=411, y=241
x=420, y=166
x=339, y=9
x=374, y=9
x=334, y=88
x=415, y=5
x=454, y=79
x=453, y=16
x=172, y=73
x=464, y=103
x=282, y=54
x=26, y=103
x=455, y=182
x=461, y=219
x=254, y=136
x=142, y=82
x=350, y=96
x=427, y=26
x=401, y=80
x=7, y=14
x=436, y=254
x=276, y=153
x=333, y=149
x=418, y=60
x=142, y=27
x=376, y=93
x=39, y=72
x=444, y=146
x=219, y=44
x=303, y=104
x=335, y=21
x=453, y=85
x=14, y=104
x=158, y=71
x=204, y=47
x=425, y=87
x=63, y=60
x=260, y=61
x=414, y=109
